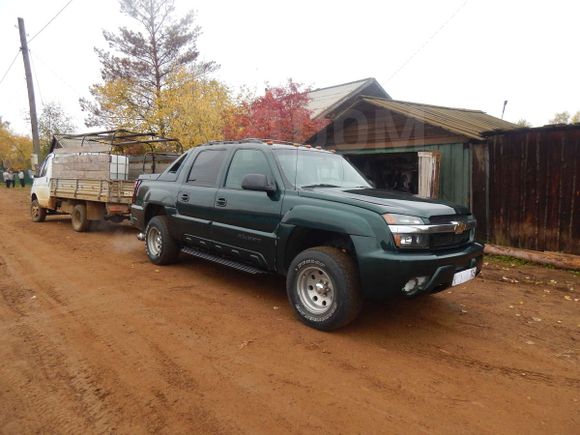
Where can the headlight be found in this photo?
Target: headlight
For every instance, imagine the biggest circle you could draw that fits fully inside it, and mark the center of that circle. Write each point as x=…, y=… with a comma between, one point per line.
x=406, y=240
x=401, y=219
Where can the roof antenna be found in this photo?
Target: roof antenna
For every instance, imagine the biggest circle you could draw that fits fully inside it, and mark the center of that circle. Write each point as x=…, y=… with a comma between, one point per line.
x=503, y=110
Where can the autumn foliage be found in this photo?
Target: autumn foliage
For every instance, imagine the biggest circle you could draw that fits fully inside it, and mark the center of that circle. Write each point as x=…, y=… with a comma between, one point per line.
x=280, y=114
x=15, y=150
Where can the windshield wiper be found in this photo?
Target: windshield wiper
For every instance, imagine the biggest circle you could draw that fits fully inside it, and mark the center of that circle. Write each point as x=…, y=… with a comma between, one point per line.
x=309, y=186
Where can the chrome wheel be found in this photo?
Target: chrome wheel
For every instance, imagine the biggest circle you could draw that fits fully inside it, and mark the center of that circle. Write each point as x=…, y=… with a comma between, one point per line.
x=154, y=241
x=35, y=210
x=315, y=290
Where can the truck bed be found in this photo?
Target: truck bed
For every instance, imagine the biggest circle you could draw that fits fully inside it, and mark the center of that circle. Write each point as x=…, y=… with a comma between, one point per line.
x=108, y=191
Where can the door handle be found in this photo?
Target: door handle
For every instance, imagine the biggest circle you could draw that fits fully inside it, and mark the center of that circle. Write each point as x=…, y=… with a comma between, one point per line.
x=221, y=202
x=184, y=197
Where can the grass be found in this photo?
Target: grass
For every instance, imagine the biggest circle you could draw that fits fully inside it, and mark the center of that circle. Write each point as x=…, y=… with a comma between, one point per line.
x=506, y=260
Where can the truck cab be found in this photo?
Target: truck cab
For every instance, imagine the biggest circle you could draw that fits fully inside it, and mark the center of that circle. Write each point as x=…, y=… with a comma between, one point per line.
x=41, y=183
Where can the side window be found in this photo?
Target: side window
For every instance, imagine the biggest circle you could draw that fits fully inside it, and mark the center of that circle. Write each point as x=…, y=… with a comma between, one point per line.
x=175, y=167
x=43, y=168
x=246, y=162
x=206, y=168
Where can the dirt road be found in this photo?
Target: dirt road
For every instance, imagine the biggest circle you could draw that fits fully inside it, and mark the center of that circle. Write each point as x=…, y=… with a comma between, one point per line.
x=95, y=339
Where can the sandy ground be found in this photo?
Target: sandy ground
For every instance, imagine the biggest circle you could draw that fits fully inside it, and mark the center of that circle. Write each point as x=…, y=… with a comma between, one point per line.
x=95, y=339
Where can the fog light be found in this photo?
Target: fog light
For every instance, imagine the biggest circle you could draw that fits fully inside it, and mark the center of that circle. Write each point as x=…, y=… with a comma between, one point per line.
x=414, y=284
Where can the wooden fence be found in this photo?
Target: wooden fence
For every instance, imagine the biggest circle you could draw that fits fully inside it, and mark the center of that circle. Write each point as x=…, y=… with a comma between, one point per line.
x=526, y=188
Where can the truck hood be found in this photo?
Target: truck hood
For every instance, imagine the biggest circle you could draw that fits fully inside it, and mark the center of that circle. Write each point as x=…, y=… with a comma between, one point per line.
x=387, y=201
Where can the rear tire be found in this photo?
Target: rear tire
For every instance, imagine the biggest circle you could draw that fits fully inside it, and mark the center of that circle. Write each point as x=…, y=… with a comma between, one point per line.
x=323, y=288
x=161, y=248
x=79, y=220
x=37, y=213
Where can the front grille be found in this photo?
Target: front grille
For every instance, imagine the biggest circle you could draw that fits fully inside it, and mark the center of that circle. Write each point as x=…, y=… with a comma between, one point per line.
x=448, y=218
x=449, y=240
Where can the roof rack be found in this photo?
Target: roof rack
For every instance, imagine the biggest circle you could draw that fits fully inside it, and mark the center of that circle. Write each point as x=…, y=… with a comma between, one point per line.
x=253, y=140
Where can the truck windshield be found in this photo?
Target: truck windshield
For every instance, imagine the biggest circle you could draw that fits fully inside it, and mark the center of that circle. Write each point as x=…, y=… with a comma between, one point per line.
x=311, y=169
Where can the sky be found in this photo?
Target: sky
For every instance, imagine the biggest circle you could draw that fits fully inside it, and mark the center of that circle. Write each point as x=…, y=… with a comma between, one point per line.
x=472, y=54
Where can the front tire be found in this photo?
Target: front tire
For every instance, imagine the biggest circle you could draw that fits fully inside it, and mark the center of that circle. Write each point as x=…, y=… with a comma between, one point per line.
x=323, y=288
x=161, y=248
x=79, y=220
x=37, y=213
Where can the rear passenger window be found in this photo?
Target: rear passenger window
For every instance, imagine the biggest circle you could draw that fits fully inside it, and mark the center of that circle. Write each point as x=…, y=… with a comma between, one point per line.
x=246, y=162
x=206, y=168
x=175, y=167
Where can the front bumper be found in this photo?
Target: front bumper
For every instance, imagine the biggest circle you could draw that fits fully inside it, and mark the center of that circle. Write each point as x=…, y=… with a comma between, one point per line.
x=385, y=273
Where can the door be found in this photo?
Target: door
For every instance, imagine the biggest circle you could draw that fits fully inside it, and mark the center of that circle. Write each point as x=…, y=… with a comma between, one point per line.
x=245, y=221
x=429, y=163
x=41, y=183
x=196, y=196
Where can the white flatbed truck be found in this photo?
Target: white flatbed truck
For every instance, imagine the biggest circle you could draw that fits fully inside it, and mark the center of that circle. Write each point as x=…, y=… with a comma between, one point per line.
x=92, y=176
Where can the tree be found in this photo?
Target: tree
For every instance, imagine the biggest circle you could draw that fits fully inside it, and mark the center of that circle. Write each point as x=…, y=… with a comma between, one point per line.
x=281, y=114
x=575, y=118
x=53, y=120
x=139, y=65
x=523, y=123
x=195, y=110
x=560, y=118
x=15, y=150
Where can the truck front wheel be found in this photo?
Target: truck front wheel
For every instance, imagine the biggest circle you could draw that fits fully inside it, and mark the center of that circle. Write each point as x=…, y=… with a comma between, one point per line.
x=160, y=246
x=79, y=220
x=37, y=213
x=323, y=288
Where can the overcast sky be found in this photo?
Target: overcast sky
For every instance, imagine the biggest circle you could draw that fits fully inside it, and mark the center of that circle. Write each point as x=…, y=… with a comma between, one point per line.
x=473, y=54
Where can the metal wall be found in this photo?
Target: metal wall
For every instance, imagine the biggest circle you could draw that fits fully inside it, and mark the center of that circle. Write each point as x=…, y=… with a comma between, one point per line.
x=526, y=192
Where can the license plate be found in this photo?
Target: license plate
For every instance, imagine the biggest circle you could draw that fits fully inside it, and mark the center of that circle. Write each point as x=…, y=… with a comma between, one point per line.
x=464, y=276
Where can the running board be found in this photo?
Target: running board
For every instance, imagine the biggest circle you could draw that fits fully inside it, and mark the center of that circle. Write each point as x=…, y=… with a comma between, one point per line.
x=229, y=263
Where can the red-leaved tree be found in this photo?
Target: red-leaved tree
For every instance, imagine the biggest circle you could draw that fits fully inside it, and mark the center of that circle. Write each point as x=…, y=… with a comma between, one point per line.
x=280, y=114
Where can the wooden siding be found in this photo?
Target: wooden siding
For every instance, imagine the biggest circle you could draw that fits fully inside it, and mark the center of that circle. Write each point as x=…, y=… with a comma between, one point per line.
x=526, y=189
x=455, y=172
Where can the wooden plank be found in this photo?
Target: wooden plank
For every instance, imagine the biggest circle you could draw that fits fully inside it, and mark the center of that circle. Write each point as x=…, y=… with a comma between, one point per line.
x=93, y=190
x=558, y=259
x=530, y=205
x=551, y=230
x=479, y=188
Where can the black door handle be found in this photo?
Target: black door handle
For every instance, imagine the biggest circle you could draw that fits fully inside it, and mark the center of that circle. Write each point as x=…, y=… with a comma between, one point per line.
x=221, y=202
x=184, y=197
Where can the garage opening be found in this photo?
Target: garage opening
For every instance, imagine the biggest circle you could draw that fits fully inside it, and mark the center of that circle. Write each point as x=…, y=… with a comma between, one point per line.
x=413, y=172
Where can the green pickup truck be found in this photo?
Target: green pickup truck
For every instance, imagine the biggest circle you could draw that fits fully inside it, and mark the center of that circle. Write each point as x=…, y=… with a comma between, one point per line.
x=308, y=214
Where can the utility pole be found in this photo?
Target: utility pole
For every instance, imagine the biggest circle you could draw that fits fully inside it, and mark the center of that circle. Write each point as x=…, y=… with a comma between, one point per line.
x=31, y=101
x=503, y=110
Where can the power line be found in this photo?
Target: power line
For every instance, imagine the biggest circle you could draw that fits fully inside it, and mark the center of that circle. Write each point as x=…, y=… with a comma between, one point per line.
x=38, y=59
x=10, y=67
x=50, y=21
x=428, y=40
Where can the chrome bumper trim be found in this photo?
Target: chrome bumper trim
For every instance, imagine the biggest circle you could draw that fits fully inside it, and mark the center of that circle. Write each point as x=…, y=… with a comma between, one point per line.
x=455, y=227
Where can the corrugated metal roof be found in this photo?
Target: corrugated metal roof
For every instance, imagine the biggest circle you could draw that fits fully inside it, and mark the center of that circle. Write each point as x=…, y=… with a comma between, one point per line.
x=323, y=100
x=466, y=122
